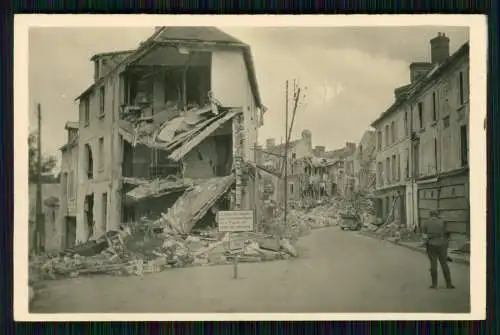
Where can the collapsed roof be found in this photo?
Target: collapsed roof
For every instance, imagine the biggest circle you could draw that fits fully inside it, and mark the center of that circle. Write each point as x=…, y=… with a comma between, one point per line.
x=177, y=133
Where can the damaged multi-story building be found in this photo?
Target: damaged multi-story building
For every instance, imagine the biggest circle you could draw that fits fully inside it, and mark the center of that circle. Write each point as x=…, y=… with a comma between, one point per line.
x=422, y=143
x=166, y=128
x=360, y=166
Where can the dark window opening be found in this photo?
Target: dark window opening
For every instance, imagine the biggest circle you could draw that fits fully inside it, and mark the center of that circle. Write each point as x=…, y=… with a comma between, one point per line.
x=434, y=106
x=89, y=215
x=461, y=87
x=436, y=157
x=393, y=132
x=104, y=211
x=101, y=154
x=388, y=169
x=407, y=169
x=464, y=150
x=86, y=111
x=421, y=114
x=89, y=162
x=406, y=123
x=102, y=100
x=394, y=167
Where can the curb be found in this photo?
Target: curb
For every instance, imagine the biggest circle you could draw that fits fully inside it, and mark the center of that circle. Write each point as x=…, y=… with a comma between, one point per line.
x=421, y=250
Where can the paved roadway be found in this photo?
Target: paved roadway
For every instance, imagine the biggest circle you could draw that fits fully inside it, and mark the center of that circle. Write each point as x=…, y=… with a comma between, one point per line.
x=339, y=272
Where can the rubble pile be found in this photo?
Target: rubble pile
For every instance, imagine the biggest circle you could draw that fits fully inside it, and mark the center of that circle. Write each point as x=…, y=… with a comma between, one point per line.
x=303, y=216
x=397, y=232
x=142, y=250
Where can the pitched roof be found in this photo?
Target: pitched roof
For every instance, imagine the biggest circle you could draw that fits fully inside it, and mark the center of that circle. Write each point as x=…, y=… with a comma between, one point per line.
x=190, y=34
x=418, y=86
x=121, y=54
x=198, y=34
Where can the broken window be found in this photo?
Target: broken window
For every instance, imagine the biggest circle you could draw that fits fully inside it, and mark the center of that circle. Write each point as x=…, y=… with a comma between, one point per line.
x=89, y=162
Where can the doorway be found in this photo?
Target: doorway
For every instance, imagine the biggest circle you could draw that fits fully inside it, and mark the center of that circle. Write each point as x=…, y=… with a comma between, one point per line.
x=70, y=237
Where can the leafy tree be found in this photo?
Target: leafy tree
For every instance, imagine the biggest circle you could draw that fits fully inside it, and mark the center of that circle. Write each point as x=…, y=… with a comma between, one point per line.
x=48, y=162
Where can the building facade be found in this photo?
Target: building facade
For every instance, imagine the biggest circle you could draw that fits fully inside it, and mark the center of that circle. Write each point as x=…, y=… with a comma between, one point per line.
x=422, y=143
x=364, y=162
x=68, y=186
x=175, y=71
x=440, y=142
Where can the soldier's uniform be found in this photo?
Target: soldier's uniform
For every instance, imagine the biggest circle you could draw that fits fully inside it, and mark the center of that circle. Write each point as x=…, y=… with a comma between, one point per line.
x=437, y=248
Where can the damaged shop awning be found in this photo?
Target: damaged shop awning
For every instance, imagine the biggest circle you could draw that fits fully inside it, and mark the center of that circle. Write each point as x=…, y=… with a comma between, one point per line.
x=195, y=203
x=180, y=134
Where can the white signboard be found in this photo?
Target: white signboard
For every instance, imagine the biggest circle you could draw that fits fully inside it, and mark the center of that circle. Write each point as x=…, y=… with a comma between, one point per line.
x=235, y=221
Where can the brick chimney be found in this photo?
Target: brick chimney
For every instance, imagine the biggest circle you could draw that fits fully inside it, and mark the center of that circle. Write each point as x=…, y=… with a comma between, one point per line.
x=440, y=48
x=270, y=143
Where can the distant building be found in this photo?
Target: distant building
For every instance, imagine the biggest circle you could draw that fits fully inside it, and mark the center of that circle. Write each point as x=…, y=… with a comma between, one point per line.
x=69, y=182
x=50, y=209
x=360, y=166
x=422, y=143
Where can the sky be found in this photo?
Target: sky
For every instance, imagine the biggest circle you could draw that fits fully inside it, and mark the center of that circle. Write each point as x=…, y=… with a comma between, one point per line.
x=348, y=74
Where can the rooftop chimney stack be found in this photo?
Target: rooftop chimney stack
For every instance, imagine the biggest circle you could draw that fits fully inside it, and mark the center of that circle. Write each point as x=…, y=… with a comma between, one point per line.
x=440, y=48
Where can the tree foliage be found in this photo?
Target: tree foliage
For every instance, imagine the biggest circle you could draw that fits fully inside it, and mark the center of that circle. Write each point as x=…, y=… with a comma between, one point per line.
x=48, y=162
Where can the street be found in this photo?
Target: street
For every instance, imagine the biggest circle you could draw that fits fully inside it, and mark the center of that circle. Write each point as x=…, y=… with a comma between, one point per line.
x=338, y=272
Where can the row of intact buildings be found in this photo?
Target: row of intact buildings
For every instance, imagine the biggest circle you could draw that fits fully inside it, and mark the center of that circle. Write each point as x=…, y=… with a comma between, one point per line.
x=422, y=143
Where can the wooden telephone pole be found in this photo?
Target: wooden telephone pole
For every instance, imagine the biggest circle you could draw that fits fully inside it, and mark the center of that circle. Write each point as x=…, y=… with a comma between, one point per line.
x=39, y=228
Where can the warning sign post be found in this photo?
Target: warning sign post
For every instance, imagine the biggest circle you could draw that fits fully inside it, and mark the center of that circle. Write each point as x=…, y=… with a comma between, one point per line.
x=233, y=222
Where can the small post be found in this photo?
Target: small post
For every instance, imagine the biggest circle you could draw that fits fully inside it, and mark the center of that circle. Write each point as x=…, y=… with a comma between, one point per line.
x=235, y=260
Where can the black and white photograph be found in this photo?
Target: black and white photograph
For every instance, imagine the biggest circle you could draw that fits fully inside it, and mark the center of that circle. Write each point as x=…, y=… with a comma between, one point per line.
x=315, y=168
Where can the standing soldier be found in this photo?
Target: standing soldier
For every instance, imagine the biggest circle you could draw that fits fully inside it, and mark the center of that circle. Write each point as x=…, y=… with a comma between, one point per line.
x=436, y=241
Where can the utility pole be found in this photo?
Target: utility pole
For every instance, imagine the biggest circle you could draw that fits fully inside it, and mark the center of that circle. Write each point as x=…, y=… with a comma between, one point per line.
x=286, y=154
x=39, y=228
